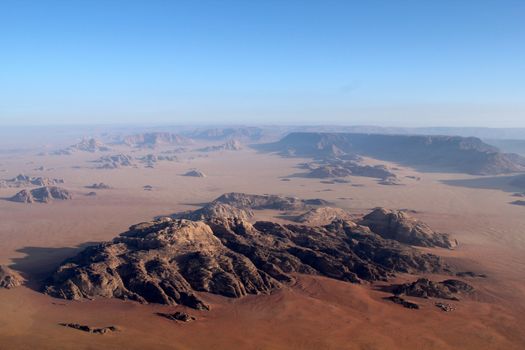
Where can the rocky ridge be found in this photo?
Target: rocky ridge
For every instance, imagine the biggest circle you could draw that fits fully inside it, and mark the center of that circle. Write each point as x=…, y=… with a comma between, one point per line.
x=169, y=261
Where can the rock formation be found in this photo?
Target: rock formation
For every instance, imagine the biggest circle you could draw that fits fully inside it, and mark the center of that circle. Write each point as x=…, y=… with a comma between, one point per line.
x=8, y=278
x=89, y=329
x=231, y=145
x=261, y=202
x=151, y=159
x=195, y=173
x=99, y=186
x=334, y=168
x=169, y=260
x=216, y=210
x=85, y=145
x=44, y=194
x=425, y=288
x=399, y=226
x=155, y=139
x=177, y=316
x=322, y=216
x=22, y=180
x=400, y=301
x=446, y=153
x=115, y=161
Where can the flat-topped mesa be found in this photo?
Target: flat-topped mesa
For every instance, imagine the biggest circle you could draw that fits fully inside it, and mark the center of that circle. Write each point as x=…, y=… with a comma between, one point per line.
x=8, y=278
x=261, y=202
x=168, y=261
x=447, y=153
x=44, y=194
x=399, y=226
x=231, y=145
x=155, y=139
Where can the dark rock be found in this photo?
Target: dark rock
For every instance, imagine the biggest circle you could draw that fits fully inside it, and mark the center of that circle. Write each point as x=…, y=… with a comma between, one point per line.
x=400, y=301
x=425, y=288
x=445, y=307
x=177, y=316
x=471, y=274
x=231, y=145
x=99, y=186
x=88, y=329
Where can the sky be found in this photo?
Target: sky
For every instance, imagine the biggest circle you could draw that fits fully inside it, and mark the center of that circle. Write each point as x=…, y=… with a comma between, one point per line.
x=391, y=62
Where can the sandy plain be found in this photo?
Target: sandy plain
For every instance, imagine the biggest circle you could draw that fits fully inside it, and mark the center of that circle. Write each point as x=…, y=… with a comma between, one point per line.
x=314, y=313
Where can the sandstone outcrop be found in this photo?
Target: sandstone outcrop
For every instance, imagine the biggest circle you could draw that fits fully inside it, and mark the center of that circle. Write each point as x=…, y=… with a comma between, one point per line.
x=169, y=261
x=44, y=194
x=8, y=278
x=400, y=226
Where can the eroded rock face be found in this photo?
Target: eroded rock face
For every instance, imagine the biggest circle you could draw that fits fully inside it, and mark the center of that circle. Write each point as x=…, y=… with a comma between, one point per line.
x=322, y=216
x=169, y=260
x=8, y=278
x=399, y=226
x=425, y=288
x=216, y=210
x=231, y=145
x=155, y=139
x=115, y=161
x=400, y=301
x=89, y=329
x=334, y=168
x=44, y=194
x=22, y=180
x=261, y=202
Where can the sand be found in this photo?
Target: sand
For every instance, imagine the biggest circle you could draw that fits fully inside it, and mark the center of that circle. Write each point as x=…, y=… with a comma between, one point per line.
x=314, y=313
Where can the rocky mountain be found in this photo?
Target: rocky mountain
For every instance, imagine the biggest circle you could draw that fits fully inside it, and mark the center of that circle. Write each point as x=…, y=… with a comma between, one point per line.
x=22, y=180
x=216, y=210
x=335, y=168
x=151, y=159
x=195, y=173
x=155, y=139
x=169, y=261
x=400, y=226
x=425, y=288
x=322, y=216
x=85, y=145
x=115, y=161
x=231, y=145
x=8, y=278
x=443, y=153
x=261, y=202
x=44, y=194
x=235, y=133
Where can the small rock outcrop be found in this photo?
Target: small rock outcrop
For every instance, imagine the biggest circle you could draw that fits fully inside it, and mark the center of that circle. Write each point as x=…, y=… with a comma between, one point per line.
x=8, y=278
x=177, y=316
x=115, y=161
x=215, y=210
x=42, y=195
x=155, y=139
x=399, y=226
x=400, y=301
x=99, y=186
x=195, y=173
x=89, y=329
x=425, y=288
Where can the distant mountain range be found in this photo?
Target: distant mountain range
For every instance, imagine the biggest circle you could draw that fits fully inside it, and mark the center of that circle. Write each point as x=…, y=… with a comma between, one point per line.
x=431, y=152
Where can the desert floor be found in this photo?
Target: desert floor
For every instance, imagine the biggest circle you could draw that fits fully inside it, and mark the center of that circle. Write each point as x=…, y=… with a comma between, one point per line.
x=315, y=313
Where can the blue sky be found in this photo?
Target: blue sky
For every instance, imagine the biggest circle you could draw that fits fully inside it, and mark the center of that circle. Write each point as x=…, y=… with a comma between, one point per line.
x=411, y=63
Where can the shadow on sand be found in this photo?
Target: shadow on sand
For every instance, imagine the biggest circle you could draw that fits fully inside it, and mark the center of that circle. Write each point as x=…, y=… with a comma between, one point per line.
x=502, y=183
x=39, y=262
